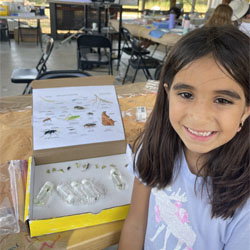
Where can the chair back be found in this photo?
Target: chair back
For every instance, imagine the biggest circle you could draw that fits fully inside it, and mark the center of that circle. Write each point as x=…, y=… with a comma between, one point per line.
x=126, y=37
x=94, y=50
x=133, y=42
x=53, y=74
x=62, y=74
x=93, y=41
x=41, y=65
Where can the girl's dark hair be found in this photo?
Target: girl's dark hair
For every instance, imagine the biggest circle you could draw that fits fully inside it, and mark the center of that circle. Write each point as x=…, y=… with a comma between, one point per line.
x=227, y=168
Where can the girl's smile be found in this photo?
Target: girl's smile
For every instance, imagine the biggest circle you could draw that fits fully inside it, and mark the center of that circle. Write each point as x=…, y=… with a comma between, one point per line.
x=200, y=135
x=206, y=106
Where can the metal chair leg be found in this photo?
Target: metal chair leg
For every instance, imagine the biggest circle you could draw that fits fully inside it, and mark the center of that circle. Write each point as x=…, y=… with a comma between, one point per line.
x=136, y=70
x=26, y=88
x=111, y=66
x=125, y=74
x=133, y=80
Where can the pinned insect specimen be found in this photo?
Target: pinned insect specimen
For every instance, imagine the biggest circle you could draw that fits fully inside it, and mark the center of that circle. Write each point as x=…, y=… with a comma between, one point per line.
x=50, y=132
x=77, y=164
x=47, y=119
x=106, y=120
x=44, y=194
x=79, y=107
x=117, y=179
x=96, y=166
x=86, y=166
x=90, y=113
x=68, y=168
x=55, y=170
x=89, y=125
x=103, y=166
x=73, y=117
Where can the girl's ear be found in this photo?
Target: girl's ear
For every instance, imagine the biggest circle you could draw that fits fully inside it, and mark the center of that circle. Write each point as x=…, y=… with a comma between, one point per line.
x=244, y=117
x=246, y=114
x=166, y=88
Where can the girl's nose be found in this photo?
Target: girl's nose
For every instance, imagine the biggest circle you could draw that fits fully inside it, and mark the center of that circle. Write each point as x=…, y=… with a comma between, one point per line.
x=201, y=111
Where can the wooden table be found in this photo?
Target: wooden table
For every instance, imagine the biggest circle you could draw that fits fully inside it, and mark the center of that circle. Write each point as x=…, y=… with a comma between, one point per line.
x=168, y=39
x=16, y=143
x=27, y=17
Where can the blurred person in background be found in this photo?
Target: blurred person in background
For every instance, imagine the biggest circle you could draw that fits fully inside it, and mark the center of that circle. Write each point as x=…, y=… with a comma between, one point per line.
x=222, y=15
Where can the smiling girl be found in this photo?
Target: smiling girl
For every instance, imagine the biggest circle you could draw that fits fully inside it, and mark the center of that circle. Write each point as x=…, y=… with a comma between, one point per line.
x=192, y=170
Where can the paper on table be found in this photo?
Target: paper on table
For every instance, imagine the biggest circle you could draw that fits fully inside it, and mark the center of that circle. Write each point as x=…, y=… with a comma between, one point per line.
x=75, y=115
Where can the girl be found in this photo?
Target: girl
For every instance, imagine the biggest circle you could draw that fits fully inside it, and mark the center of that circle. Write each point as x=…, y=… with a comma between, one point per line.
x=191, y=188
x=222, y=15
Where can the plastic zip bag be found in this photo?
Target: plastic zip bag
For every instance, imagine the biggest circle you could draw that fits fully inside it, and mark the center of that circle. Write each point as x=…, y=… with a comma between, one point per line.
x=8, y=220
x=12, y=187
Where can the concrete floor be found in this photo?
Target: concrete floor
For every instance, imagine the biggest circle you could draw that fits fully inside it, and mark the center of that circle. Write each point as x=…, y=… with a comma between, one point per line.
x=63, y=56
x=26, y=55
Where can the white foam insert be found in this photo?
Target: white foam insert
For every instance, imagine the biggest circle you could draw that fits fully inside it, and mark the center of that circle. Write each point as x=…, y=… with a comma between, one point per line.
x=113, y=197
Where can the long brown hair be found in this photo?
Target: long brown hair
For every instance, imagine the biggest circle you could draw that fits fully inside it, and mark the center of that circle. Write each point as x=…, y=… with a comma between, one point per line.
x=227, y=169
x=221, y=16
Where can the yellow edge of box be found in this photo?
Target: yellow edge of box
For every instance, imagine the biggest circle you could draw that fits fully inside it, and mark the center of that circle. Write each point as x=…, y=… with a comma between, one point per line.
x=55, y=225
x=60, y=224
x=27, y=195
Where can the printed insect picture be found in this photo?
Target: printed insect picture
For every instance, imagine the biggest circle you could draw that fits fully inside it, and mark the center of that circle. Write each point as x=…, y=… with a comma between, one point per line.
x=106, y=120
x=98, y=101
x=50, y=133
x=75, y=115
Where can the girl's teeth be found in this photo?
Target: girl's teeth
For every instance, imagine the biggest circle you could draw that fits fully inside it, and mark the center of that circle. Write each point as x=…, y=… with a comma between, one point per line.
x=199, y=133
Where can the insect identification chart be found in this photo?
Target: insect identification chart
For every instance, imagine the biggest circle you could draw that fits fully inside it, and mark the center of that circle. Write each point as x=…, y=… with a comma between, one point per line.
x=72, y=116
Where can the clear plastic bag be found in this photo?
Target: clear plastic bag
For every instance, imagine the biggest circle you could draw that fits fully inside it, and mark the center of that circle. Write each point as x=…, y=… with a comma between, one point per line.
x=8, y=220
x=12, y=189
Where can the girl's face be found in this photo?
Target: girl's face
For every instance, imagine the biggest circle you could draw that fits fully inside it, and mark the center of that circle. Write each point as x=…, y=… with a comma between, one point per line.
x=206, y=106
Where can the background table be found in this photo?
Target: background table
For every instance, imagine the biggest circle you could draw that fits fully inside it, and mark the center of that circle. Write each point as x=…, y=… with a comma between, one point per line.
x=168, y=39
x=24, y=17
x=16, y=144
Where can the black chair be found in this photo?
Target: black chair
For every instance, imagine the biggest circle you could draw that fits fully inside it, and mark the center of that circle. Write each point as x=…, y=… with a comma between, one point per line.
x=4, y=30
x=26, y=76
x=93, y=51
x=127, y=47
x=53, y=74
x=140, y=60
x=62, y=74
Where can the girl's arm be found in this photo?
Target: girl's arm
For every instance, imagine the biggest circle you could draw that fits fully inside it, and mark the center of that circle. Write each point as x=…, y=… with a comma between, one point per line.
x=134, y=228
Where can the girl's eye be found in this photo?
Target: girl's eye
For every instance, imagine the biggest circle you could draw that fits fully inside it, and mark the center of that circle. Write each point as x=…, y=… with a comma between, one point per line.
x=223, y=101
x=186, y=95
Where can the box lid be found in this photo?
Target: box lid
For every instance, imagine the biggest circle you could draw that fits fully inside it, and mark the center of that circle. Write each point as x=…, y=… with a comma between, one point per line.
x=76, y=118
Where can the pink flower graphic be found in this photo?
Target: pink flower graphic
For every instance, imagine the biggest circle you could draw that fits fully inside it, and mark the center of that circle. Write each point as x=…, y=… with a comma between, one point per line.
x=157, y=214
x=181, y=213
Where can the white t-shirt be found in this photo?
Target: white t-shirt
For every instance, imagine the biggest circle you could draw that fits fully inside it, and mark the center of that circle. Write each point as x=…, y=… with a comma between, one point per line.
x=245, y=27
x=180, y=220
